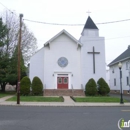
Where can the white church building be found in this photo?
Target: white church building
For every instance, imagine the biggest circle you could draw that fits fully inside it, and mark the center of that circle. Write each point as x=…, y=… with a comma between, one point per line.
x=66, y=64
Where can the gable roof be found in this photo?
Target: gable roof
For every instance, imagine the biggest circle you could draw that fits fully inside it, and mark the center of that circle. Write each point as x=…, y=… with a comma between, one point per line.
x=90, y=24
x=65, y=32
x=124, y=56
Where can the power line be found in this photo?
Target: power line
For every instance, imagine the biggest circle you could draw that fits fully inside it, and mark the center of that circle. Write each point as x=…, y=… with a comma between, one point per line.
x=124, y=20
x=7, y=8
x=4, y=5
x=74, y=24
x=89, y=40
x=53, y=23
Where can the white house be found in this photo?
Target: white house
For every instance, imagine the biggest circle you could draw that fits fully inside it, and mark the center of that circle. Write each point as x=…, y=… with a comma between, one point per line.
x=124, y=58
x=65, y=63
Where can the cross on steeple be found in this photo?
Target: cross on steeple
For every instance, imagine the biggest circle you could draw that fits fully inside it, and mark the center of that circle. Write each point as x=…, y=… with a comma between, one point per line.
x=93, y=52
x=88, y=12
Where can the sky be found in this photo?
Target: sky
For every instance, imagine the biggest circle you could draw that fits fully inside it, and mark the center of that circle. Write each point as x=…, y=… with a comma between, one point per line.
x=117, y=35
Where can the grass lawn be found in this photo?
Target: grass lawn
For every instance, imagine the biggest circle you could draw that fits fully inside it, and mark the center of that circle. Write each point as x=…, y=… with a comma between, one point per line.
x=7, y=94
x=37, y=99
x=98, y=99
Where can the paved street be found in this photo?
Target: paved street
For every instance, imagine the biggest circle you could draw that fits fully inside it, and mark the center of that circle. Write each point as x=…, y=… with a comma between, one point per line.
x=61, y=118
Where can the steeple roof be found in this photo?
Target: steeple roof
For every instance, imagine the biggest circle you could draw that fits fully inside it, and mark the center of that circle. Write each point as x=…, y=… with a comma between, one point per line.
x=90, y=24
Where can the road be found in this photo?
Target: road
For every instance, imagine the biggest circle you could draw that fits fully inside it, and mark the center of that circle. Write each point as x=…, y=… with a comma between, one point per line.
x=61, y=118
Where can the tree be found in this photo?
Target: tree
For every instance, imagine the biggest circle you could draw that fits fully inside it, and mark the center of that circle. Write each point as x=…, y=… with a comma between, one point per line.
x=13, y=76
x=9, y=33
x=3, y=33
x=4, y=69
x=37, y=86
x=28, y=43
x=4, y=58
x=90, y=88
x=25, y=86
x=103, y=87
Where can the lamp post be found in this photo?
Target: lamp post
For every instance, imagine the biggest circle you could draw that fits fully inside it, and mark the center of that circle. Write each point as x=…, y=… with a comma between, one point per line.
x=120, y=66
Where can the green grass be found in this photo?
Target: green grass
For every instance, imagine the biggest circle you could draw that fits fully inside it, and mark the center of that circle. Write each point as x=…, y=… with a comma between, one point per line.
x=7, y=94
x=37, y=99
x=98, y=99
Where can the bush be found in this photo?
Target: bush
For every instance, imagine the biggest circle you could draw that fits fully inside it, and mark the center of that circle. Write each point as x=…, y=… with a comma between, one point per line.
x=37, y=86
x=103, y=87
x=25, y=86
x=90, y=88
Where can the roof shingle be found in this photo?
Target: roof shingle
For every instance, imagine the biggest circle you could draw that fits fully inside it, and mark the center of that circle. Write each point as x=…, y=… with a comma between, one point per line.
x=123, y=56
x=90, y=24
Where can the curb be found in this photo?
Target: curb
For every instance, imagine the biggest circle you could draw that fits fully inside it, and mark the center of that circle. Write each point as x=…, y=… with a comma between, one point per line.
x=55, y=104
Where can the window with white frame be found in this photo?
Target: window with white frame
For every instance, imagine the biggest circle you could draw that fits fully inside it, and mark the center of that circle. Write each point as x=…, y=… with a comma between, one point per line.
x=127, y=65
x=112, y=69
x=127, y=80
x=114, y=82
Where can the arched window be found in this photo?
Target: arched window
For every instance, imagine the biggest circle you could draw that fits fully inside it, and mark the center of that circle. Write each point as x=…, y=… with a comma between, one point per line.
x=59, y=80
x=65, y=80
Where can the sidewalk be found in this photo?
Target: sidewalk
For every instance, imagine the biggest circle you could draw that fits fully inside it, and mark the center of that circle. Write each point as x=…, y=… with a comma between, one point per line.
x=67, y=102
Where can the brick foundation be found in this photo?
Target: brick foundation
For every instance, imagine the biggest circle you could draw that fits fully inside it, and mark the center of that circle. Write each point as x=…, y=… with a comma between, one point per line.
x=63, y=92
x=118, y=91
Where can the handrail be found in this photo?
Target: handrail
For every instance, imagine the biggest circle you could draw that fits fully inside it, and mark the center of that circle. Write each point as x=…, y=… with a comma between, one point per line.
x=44, y=87
x=72, y=87
x=82, y=87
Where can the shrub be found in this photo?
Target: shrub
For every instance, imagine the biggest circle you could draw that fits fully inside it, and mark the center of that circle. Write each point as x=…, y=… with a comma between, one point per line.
x=25, y=86
x=37, y=86
x=103, y=87
x=90, y=88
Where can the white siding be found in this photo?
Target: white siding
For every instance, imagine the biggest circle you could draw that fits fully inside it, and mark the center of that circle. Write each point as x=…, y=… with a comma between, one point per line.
x=37, y=65
x=116, y=74
x=62, y=46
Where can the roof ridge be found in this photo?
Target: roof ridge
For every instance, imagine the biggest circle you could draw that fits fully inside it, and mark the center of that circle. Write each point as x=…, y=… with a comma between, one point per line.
x=122, y=56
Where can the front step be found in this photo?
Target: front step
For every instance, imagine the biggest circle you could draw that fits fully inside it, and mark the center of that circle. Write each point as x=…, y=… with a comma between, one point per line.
x=63, y=92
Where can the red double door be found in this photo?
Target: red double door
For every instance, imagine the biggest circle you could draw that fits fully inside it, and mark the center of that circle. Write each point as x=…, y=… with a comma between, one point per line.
x=62, y=82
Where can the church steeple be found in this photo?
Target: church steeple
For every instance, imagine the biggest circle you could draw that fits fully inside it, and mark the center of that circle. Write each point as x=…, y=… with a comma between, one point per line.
x=90, y=29
x=90, y=24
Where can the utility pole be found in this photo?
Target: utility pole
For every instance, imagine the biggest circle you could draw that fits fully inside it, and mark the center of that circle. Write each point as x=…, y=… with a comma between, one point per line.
x=129, y=78
x=19, y=60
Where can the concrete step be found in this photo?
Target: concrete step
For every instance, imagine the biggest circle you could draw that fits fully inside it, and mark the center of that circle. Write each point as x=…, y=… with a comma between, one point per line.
x=63, y=92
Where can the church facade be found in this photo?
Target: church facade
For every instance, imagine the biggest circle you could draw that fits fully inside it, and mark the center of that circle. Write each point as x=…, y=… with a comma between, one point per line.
x=65, y=63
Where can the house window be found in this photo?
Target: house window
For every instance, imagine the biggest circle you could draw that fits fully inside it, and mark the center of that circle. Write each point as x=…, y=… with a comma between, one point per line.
x=114, y=82
x=127, y=80
x=112, y=70
x=127, y=65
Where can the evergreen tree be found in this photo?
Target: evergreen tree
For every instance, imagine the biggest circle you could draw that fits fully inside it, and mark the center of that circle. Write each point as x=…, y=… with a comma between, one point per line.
x=25, y=86
x=37, y=86
x=13, y=76
x=3, y=33
x=4, y=57
x=90, y=88
x=103, y=87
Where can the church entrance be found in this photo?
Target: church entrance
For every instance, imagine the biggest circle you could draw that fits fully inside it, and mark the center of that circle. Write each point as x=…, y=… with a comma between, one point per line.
x=62, y=82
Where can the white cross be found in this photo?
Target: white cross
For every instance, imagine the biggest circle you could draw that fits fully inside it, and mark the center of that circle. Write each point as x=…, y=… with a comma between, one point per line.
x=88, y=12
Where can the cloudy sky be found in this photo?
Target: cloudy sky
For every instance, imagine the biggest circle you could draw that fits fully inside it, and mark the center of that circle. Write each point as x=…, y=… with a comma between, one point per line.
x=117, y=35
